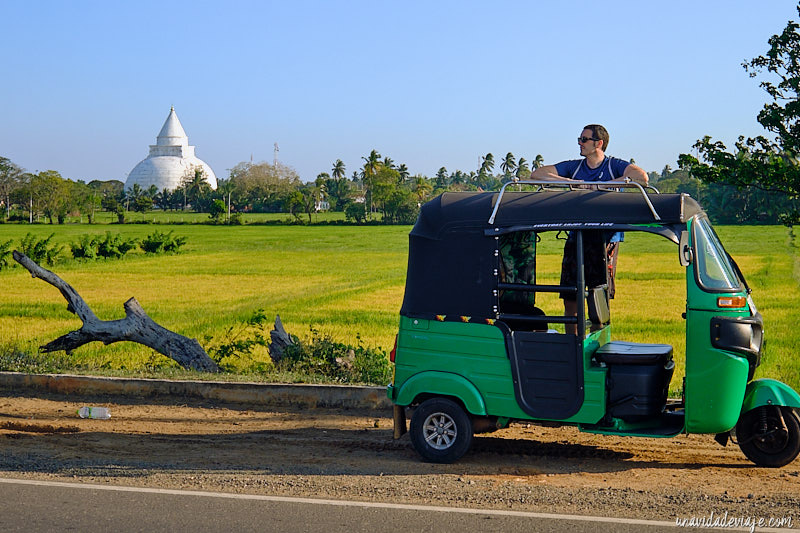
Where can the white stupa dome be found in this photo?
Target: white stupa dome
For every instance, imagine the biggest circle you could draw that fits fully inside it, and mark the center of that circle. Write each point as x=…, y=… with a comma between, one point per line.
x=170, y=159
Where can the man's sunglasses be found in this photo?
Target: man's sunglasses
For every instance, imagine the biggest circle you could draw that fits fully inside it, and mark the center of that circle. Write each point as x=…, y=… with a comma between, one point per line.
x=587, y=139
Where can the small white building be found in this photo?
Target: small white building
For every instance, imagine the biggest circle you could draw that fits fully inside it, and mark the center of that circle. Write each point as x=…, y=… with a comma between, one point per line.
x=170, y=159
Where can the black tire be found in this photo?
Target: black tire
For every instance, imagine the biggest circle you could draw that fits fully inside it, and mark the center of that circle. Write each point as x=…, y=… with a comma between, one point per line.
x=440, y=431
x=774, y=447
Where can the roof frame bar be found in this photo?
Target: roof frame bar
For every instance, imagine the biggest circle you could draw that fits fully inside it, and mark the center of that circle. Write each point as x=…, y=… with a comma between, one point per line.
x=571, y=184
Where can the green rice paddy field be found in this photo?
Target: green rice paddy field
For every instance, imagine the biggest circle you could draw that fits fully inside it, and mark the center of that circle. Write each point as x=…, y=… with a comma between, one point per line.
x=347, y=282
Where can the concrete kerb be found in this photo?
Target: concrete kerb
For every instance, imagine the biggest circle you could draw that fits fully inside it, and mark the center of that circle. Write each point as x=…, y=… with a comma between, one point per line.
x=263, y=394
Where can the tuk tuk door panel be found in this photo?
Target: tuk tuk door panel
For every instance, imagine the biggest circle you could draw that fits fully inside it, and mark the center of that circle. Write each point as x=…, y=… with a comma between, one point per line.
x=548, y=374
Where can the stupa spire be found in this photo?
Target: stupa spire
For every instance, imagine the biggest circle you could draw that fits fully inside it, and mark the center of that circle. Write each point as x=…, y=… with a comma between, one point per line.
x=172, y=133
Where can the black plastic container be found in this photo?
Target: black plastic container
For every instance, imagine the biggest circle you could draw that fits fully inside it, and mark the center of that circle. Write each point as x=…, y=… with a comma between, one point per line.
x=638, y=378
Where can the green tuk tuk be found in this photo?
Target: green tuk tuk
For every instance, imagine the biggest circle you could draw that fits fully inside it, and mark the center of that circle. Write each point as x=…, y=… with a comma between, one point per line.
x=474, y=352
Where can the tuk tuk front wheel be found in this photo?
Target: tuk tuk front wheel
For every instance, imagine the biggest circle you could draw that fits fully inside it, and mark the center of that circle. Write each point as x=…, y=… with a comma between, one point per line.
x=440, y=431
x=769, y=435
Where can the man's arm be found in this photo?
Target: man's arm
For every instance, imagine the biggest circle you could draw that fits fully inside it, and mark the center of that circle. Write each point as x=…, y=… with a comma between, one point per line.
x=636, y=173
x=547, y=173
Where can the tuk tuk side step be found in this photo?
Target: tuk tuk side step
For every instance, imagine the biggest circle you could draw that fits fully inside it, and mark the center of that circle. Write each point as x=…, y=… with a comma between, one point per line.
x=668, y=424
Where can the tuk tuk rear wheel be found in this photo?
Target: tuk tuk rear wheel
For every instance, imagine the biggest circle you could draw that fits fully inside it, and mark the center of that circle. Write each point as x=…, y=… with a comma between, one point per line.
x=764, y=439
x=440, y=431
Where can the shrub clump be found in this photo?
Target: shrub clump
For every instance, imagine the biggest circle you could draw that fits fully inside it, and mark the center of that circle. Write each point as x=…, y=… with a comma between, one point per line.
x=340, y=362
x=109, y=247
x=318, y=356
x=40, y=250
x=159, y=242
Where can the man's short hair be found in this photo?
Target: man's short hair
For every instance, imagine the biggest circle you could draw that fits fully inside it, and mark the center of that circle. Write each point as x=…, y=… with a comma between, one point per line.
x=599, y=132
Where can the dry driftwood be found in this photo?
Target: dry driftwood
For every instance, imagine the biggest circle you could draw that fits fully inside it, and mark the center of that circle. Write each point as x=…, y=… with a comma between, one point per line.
x=135, y=327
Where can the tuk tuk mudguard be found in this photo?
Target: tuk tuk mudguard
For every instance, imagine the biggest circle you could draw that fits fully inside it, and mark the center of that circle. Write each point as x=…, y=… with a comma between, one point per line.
x=767, y=391
x=435, y=383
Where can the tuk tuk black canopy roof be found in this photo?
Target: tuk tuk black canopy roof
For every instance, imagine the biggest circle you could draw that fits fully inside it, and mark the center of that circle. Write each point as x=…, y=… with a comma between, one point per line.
x=471, y=210
x=452, y=260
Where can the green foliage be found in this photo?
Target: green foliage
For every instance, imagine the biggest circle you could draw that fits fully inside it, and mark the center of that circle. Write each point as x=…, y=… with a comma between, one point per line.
x=337, y=361
x=85, y=247
x=239, y=340
x=216, y=209
x=758, y=162
x=40, y=250
x=355, y=211
x=320, y=355
x=159, y=242
x=13, y=359
x=142, y=204
x=109, y=247
x=726, y=204
x=400, y=207
x=114, y=246
x=5, y=254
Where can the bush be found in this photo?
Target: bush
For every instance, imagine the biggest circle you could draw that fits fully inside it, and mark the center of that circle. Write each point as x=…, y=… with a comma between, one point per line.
x=240, y=340
x=355, y=211
x=110, y=247
x=317, y=357
x=39, y=250
x=344, y=363
x=161, y=243
x=85, y=248
x=114, y=246
x=5, y=254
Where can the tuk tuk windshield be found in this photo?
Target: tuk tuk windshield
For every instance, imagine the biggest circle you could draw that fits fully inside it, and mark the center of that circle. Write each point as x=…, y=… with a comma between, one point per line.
x=714, y=269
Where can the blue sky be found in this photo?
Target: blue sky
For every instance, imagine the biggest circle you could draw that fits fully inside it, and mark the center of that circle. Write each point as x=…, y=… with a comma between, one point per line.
x=87, y=85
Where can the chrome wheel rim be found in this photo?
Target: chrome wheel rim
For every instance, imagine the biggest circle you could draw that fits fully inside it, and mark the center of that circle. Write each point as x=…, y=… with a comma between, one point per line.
x=440, y=431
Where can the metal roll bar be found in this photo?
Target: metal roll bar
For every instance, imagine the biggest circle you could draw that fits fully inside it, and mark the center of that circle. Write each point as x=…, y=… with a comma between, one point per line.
x=582, y=184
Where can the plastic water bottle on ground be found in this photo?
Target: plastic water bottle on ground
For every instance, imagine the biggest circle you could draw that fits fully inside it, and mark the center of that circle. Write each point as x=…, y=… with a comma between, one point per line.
x=100, y=413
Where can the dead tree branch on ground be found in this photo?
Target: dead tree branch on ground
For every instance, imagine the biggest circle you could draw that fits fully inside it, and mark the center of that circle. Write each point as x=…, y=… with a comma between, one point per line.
x=135, y=327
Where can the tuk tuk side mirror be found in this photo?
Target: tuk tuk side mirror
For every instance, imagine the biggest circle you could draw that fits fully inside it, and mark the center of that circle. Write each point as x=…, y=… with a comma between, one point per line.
x=685, y=254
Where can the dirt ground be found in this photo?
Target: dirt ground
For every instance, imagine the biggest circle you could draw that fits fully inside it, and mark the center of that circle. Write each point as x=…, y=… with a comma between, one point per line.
x=351, y=455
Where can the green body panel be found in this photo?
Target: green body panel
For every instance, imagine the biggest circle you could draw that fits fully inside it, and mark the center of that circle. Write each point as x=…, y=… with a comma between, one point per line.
x=471, y=360
x=442, y=384
x=631, y=429
x=715, y=379
x=769, y=392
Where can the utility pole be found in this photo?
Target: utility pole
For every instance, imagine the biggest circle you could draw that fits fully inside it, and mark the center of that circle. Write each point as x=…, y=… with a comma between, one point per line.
x=275, y=156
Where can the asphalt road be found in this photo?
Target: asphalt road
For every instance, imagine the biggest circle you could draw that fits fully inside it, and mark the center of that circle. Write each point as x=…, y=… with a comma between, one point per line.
x=44, y=506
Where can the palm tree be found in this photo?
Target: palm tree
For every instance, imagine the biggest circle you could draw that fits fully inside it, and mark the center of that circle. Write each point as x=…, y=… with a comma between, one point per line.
x=371, y=164
x=509, y=164
x=538, y=162
x=441, y=178
x=522, y=169
x=487, y=164
x=422, y=187
x=388, y=162
x=195, y=187
x=338, y=171
x=403, y=170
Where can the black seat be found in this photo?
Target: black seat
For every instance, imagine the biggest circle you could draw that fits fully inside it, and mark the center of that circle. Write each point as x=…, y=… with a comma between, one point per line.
x=633, y=353
x=597, y=303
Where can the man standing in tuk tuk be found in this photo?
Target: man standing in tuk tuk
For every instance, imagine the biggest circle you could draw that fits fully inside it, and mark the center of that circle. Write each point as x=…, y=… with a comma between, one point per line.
x=600, y=251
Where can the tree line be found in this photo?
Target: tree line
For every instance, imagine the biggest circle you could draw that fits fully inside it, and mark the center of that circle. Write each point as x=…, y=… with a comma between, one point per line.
x=380, y=190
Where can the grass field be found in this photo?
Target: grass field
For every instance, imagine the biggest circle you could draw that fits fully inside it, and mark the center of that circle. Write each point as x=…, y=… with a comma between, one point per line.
x=347, y=282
